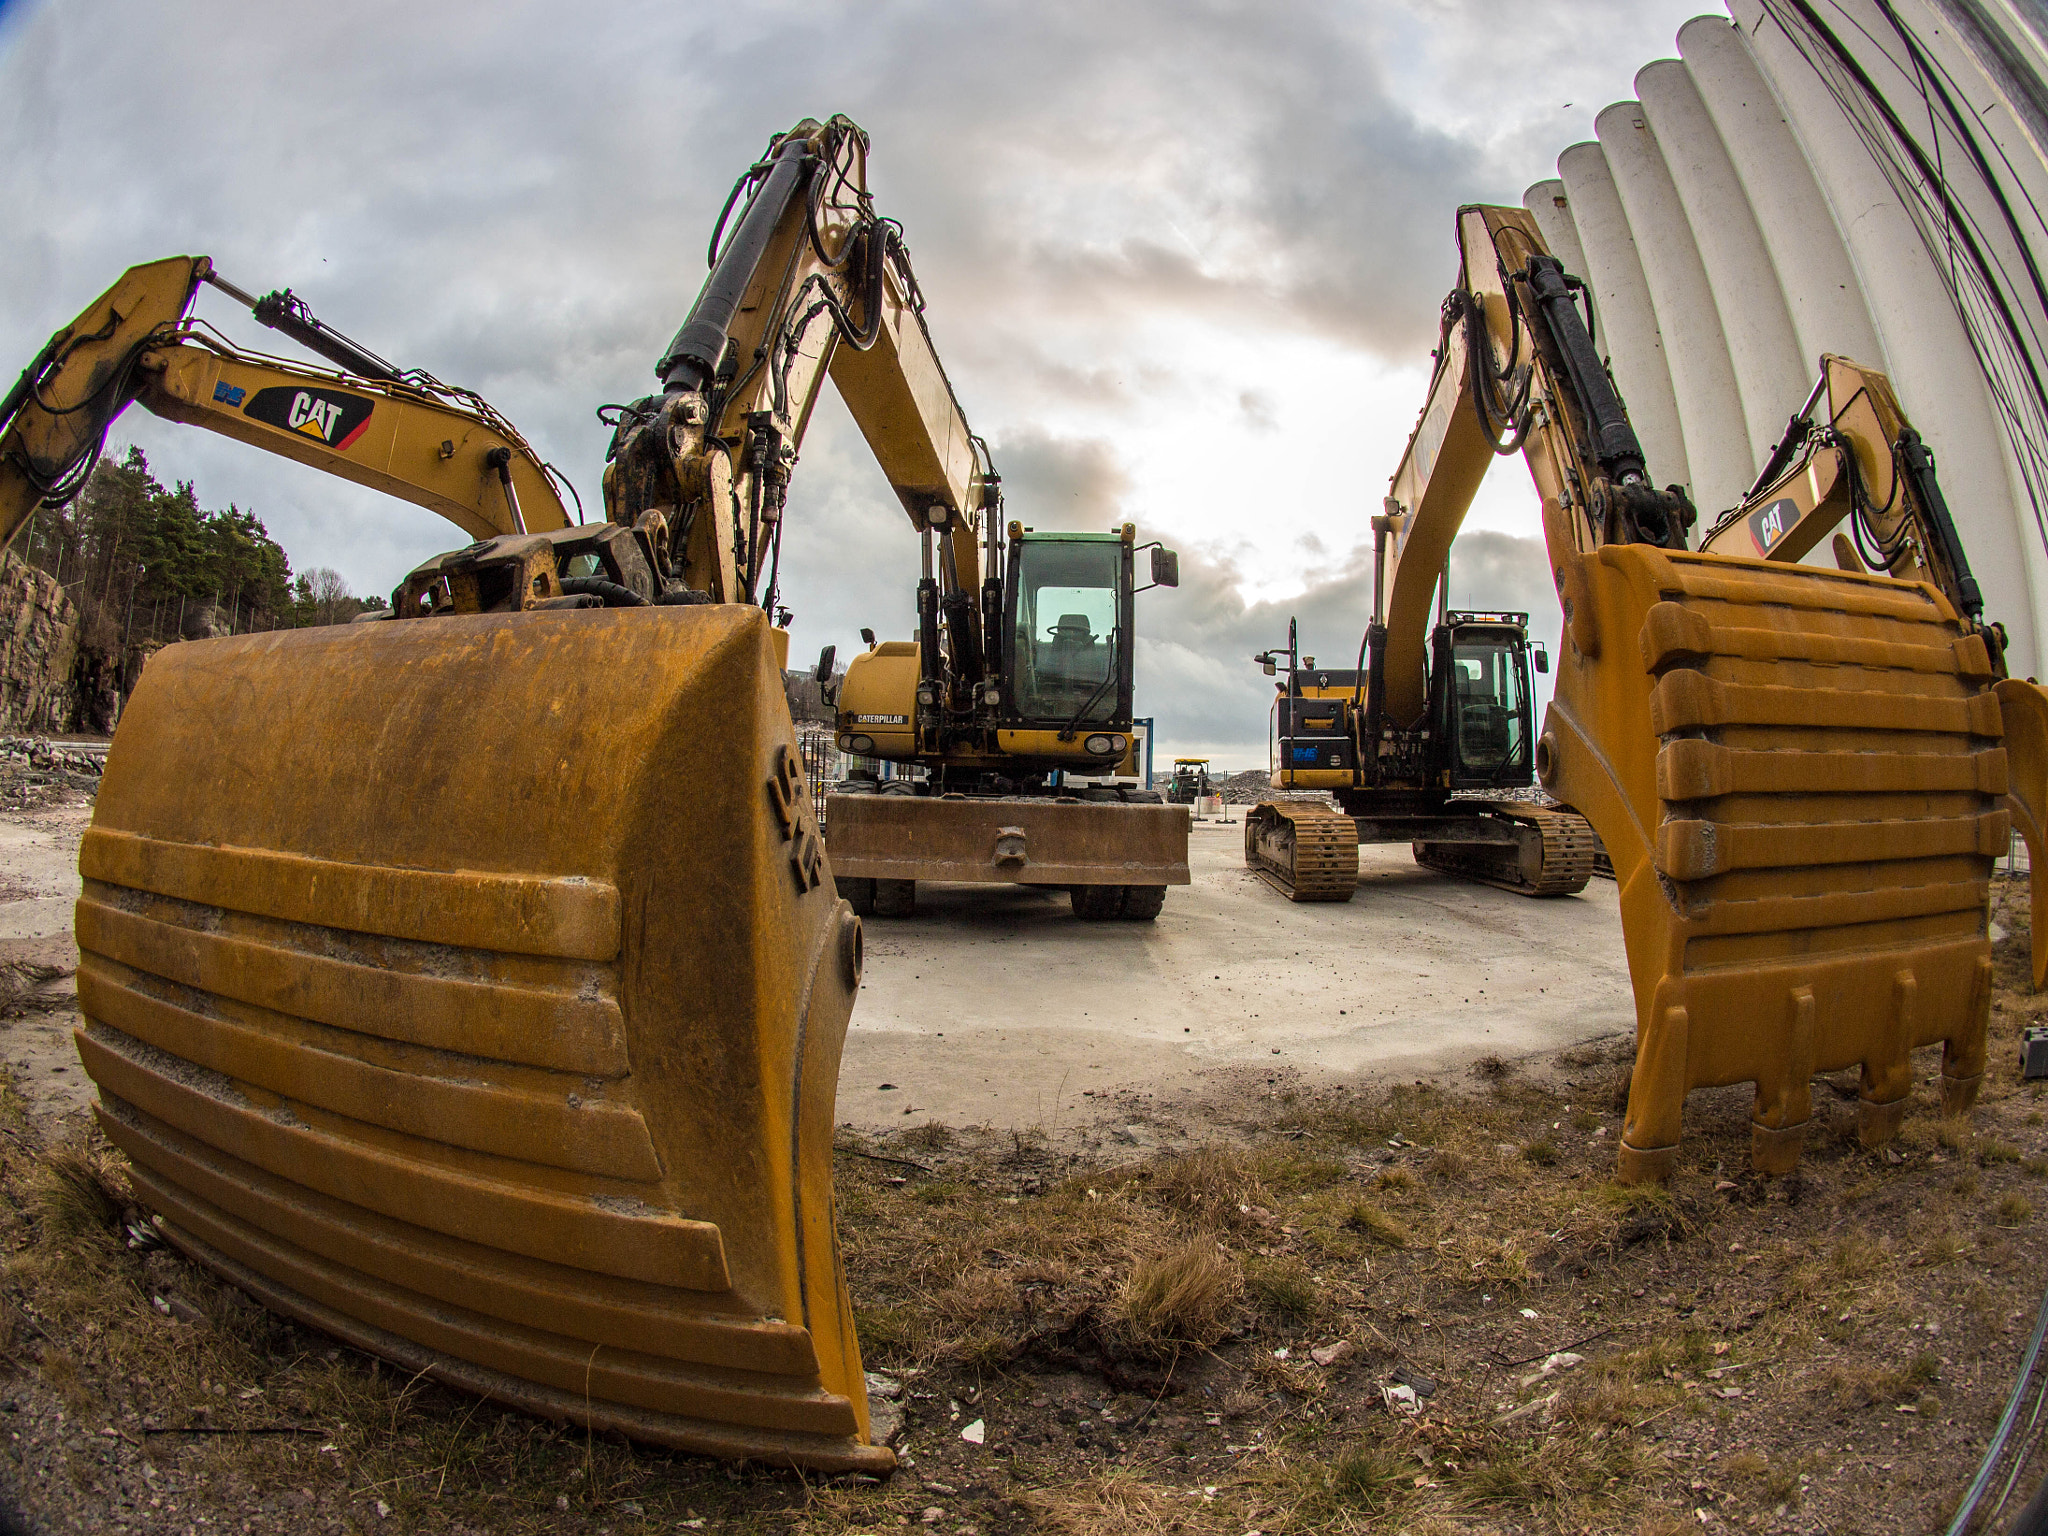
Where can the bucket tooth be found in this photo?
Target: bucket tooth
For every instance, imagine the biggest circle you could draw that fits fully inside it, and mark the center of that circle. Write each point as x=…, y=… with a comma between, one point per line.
x=473, y=989
x=1800, y=779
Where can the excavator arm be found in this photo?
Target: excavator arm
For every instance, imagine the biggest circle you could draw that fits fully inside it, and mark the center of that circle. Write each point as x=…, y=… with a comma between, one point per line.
x=810, y=281
x=1798, y=773
x=404, y=434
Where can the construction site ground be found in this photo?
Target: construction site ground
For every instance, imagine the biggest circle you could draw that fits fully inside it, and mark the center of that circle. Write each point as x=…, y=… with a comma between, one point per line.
x=1382, y=1280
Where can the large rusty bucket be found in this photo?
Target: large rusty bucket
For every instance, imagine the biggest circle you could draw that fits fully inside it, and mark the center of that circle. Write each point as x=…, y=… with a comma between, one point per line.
x=473, y=989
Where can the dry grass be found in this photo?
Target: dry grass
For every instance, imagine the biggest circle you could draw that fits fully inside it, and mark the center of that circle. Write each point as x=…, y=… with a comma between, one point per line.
x=1213, y=1187
x=1184, y=1297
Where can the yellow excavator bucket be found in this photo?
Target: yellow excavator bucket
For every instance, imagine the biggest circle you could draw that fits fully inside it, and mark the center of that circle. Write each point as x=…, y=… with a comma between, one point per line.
x=1800, y=779
x=2024, y=707
x=473, y=989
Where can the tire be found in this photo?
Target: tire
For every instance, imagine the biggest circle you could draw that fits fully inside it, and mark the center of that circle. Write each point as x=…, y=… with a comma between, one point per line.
x=895, y=898
x=895, y=787
x=855, y=787
x=858, y=892
x=1098, y=903
x=1143, y=797
x=1101, y=794
x=1142, y=902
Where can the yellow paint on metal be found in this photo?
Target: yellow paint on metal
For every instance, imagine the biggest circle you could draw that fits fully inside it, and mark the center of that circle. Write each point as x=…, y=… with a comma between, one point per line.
x=2024, y=707
x=489, y=1016
x=1799, y=778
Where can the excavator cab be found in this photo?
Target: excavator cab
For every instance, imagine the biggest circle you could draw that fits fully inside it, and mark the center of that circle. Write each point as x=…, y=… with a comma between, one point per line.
x=1069, y=608
x=1485, y=712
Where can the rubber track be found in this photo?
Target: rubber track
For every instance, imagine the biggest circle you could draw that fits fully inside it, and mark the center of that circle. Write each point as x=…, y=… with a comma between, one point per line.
x=1569, y=848
x=1325, y=863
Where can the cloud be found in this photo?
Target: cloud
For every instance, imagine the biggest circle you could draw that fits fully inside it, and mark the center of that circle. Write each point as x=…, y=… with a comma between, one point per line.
x=1178, y=253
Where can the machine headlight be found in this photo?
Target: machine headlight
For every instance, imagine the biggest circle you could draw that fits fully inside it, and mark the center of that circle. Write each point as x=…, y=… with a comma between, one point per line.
x=1101, y=746
x=860, y=746
x=846, y=744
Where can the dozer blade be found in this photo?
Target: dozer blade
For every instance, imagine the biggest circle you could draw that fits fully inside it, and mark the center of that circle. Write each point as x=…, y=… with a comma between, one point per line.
x=1798, y=775
x=473, y=989
x=1552, y=854
x=1305, y=851
x=2024, y=707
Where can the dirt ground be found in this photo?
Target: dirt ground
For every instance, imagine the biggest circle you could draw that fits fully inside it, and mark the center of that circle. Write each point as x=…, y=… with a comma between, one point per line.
x=1284, y=1305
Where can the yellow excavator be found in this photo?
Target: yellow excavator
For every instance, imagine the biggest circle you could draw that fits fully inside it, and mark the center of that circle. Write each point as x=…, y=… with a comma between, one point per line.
x=1024, y=686
x=471, y=984
x=1424, y=778
x=1800, y=774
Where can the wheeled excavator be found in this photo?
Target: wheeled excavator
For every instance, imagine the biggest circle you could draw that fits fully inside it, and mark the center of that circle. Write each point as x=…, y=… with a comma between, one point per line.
x=1016, y=685
x=1799, y=774
x=470, y=984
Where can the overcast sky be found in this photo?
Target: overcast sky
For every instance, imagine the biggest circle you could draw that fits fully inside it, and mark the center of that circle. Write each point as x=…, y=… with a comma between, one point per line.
x=1183, y=259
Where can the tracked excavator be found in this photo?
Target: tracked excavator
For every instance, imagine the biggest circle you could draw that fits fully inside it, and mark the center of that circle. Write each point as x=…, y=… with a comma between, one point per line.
x=1427, y=780
x=470, y=984
x=1800, y=774
x=1016, y=685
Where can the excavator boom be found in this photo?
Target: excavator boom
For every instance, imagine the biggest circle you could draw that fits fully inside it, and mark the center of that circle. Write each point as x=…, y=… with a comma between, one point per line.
x=405, y=435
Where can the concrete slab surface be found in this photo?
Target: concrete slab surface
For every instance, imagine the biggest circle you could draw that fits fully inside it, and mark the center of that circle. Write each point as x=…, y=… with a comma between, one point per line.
x=994, y=1005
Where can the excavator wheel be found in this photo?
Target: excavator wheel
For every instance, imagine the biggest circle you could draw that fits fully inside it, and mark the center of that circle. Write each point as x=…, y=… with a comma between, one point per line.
x=1099, y=903
x=1305, y=851
x=1552, y=854
x=858, y=894
x=1142, y=903
x=894, y=898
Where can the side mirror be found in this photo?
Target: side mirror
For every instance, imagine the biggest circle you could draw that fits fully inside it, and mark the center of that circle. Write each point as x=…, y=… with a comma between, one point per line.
x=1165, y=568
x=1542, y=659
x=867, y=638
x=824, y=672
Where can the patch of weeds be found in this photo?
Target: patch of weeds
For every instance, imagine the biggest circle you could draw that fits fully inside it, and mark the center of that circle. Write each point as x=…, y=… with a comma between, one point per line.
x=1992, y=1152
x=1395, y=1181
x=1209, y=1187
x=1381, y=1226
x=929, y=1137
x=1449, y=1167
x=77, y=1200
x=1964, y=1185
x=1293, y=1172
x=1865, y=1386
x=1585, y=1121
x=2015, y=1210
x=1945, y=1247
x=1282, y=1288
x=939, y=1192
x=1542, y=1152
x=1857, y=1254
x=1366, y=1478
x=1115, y=1500
x=1184, y=1296
x=888, y=1332
x=1492, y=1068
x=1952, y=1134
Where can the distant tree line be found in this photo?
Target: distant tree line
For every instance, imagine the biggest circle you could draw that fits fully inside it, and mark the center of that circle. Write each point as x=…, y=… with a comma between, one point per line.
x=145, y=562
